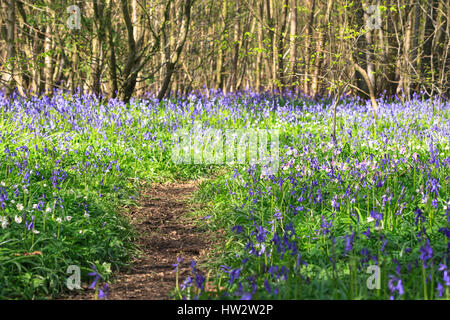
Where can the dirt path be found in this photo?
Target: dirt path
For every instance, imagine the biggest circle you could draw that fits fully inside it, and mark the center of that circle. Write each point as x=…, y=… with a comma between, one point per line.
x=166, y=232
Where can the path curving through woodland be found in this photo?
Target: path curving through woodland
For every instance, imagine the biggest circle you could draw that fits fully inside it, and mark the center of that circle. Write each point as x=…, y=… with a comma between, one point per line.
x=166, y=231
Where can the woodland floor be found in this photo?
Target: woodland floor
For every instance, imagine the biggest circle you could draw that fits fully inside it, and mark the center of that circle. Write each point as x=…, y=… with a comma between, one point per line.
x=166, y=231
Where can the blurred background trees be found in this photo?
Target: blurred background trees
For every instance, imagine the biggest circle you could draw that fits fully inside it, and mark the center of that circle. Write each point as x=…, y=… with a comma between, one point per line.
x=121, y=48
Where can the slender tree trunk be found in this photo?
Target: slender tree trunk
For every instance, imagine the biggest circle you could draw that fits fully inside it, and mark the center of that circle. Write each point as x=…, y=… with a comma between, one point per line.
x=97, y=46
x=369, y=84
x=48, y=46
x=311, y=8
x=9, y=7
x=271, y=23
x=427, y=62
x=236, y=46
x=219, y=66
x=292, y=40
x=370, y=57
x=129, y=73
x=280, y=42
x=259, y=57
x=405, y=71
x=318, y=56
x=360, y=51
x=184, y=30
x=112, y=53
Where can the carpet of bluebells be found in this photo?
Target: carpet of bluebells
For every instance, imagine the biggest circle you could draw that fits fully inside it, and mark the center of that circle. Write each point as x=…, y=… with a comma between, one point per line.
x=362, y=217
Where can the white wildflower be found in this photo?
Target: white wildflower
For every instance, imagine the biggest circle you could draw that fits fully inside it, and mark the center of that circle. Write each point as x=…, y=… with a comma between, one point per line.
x=19, y=206
x=68, y=218
x=4, y=222
x=380, y=227
x=18, y=219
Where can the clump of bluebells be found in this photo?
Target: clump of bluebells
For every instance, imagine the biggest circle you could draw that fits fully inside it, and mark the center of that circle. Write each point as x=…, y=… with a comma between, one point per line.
x=379, y=197
x=66, y=163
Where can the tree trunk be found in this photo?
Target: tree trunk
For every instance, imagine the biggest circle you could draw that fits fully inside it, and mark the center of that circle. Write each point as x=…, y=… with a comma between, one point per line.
x=48, y=61
x=370, y=58
x=219, y=67
x=292, y=41
x=97, y=47
x=112, y=53
x=311, y=7
x=236, y=46
x=184, y=30
x=9, y=7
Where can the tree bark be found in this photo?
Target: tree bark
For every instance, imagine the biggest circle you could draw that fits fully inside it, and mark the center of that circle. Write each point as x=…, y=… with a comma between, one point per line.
x=8, y=77
x=97, y=46
x=112, y=53
x=184, y=30
x=292, y=41
x=236, y=46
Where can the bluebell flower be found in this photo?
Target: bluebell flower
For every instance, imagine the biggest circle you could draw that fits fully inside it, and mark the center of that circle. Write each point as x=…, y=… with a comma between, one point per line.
x=426, y=252
x=349, y=242
x=186, y=283
x=440, y=289
x=376, y=216
x=326, y=226
x=103, y=293
x=30, y=225
x=395, y=287
x=367, y=232
x=267, y=286
x=96, y=276
x=446, y=278
x=383, y=246
x=237, y=229
x=176, y=265
x=260, y=233
x=272, y=270
x=200, y=281
x=419, y=216
x=246, y=296
x=334, y=203
x=277, y=215
x=234, y=274
x=445, y=231
x=290, y=227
